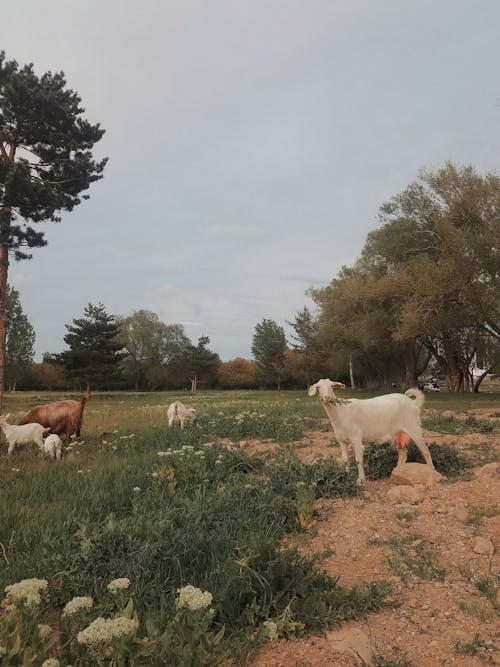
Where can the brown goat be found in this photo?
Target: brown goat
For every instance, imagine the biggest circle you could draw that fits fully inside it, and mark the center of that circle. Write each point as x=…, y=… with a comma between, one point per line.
x=63, y=417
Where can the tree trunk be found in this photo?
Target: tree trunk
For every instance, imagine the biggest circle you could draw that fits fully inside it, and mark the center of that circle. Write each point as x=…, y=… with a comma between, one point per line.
x=4, y=268
x=351, y=373
x=480, y=379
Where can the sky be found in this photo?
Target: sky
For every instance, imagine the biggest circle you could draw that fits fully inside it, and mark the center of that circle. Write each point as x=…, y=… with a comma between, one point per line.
x=250, y=143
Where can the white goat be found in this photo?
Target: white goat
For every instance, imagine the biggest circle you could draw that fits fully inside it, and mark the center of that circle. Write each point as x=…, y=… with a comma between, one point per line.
x=178, y=414
x=393, y=418
x=20, y=435
x=52, y=447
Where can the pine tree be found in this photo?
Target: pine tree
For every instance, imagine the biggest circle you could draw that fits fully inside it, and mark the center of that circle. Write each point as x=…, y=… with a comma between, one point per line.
x=94, y=351
x=46, y=162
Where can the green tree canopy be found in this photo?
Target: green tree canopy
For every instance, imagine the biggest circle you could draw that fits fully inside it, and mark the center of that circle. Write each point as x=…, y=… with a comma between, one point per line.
x=46, y=162
x=19, y=339
x=95, y=351
x=201, y=364
x=153, y=349
x=268, y=348
x=426, y=283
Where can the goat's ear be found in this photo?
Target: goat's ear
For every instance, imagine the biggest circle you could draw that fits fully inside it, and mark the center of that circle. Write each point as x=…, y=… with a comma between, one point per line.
x=338, y=385
x=312, y=389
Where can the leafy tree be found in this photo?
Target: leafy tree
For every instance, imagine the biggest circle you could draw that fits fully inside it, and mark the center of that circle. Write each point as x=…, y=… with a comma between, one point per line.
x=307, y=343
x=152, y=348
x=94, y=353
x=268, y=348
x=44, y=376
x=238, y=373
x=426, y=283
x=201, y=364
x=46, y=162
x=439, y=251
x=19, y=339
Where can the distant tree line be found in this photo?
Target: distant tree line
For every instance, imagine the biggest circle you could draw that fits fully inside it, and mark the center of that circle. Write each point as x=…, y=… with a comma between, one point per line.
x=423, y=298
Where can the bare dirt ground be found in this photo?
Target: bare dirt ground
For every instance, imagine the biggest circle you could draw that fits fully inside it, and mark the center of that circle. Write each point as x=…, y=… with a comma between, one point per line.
x=426, y=551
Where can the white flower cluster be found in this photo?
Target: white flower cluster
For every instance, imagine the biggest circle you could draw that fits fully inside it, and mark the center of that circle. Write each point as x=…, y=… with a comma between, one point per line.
x=51, y=662
x=104, y=631
x=271, y=630
x=193, y=598
x=44, y=631
x=77, y=604
x=27, y=591
x=120, y=584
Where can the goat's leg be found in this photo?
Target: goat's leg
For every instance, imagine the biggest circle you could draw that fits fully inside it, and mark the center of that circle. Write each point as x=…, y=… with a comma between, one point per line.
x=402, y=454
x=358, y=455
x=11, y=448
x=344, y=453
x=418, y=439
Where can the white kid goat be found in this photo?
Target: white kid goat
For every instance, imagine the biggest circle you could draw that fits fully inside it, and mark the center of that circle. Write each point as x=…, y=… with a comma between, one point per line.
x=52, y=446
x=21, y=435
x=393, y=418
x=178, y=414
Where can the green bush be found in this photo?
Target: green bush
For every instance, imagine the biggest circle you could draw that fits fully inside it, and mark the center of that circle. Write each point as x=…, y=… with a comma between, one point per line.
x=379, y=460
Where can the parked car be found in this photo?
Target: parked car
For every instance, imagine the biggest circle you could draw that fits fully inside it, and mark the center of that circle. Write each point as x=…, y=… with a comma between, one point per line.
x=431, y=386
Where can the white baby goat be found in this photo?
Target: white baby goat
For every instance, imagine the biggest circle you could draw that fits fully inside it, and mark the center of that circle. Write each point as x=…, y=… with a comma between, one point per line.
x=52, y=447
x=178, y=414
x=393, y=418
x=21, y=435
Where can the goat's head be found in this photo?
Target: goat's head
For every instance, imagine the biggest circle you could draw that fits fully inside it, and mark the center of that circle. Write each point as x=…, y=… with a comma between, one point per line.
x=3, y=419
x=324, y=388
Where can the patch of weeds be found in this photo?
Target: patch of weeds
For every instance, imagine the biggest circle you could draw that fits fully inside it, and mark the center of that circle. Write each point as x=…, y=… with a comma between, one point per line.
x=381, y=459
x=381, y=661
x=479, y=425
x=409, y=556
x=479, y=608
x=304, y=505
x=489, y=586
x=405, y=517
x=478, y=513
x=479, y=647
x=483, y=452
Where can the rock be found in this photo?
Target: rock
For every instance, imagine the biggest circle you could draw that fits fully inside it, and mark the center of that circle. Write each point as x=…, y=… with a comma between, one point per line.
x=414, y=474
x=488, y=470
x=404, y=494
x=448, y=414
x=482, y=545
x=426, y=508
x=352, y=641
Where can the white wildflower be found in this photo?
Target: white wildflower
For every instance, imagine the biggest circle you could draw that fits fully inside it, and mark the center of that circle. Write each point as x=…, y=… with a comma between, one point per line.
x=44, y=631
x=271, y=630
x=193, y=598
x=16, y=469
x=168, y=453
x=136, y=489
x=104, y=631
x=118, y=584
x=218, y=462
x=51, y=662
x=78, y=604
x=27, y=590
x=154, y=474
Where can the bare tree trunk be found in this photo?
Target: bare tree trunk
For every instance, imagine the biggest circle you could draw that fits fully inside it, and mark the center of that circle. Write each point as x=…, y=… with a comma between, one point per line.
x=194, y=383
x=4, y=268
x=351, y=373
x=475, y=388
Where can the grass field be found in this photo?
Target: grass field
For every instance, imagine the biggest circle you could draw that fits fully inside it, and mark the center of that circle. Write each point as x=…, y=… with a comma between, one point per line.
x=165, y=510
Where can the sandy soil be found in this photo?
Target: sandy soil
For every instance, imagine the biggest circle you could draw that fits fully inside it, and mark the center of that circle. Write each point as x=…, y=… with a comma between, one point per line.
x=428, y=616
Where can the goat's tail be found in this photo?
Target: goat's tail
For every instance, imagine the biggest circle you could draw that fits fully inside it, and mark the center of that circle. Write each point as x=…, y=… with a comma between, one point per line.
x=417, y=395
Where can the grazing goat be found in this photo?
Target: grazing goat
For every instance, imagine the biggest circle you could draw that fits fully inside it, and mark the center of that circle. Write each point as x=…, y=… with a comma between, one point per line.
x=21, y=435
x=52, y=446
x=63, y=417
x=393, y=418
x=178, y=414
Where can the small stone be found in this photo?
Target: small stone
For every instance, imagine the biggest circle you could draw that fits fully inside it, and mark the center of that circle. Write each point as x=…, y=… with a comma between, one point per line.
x=426, y=508
x=415, y=474
x=488, y=470
x=482, y=545
x=404, y=494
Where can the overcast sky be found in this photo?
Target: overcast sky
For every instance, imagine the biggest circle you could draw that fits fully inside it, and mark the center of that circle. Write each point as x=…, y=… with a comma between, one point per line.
x=251, y=144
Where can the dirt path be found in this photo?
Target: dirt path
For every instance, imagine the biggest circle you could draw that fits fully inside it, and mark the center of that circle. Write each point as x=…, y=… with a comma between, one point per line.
x=444, y=593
